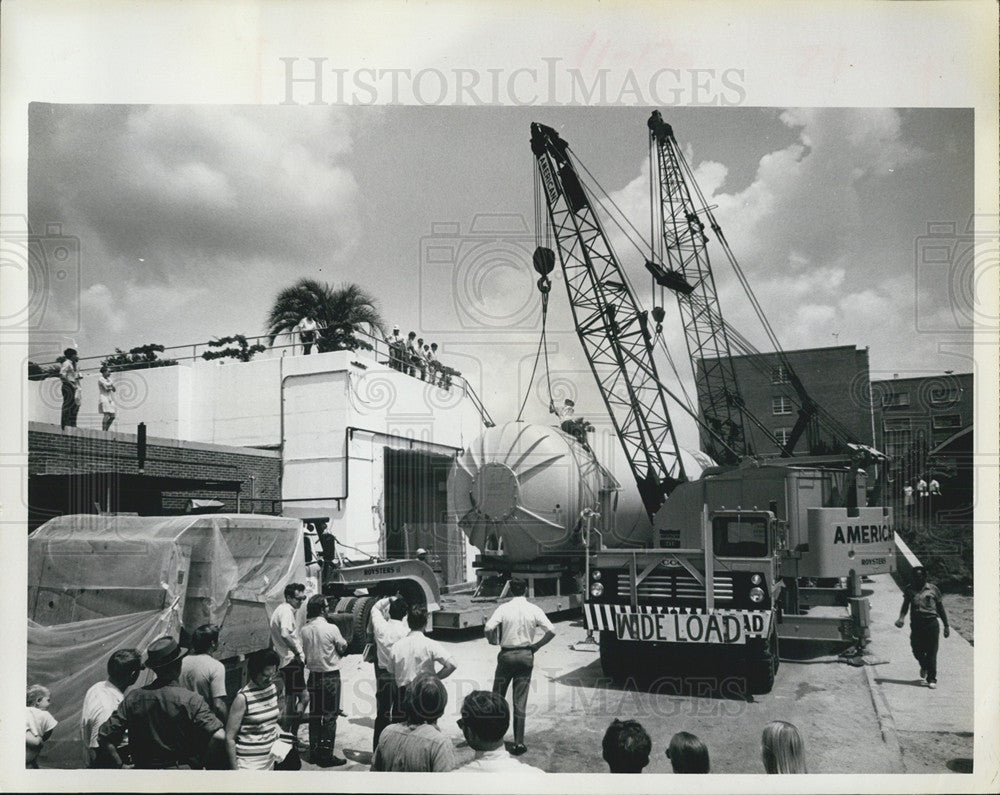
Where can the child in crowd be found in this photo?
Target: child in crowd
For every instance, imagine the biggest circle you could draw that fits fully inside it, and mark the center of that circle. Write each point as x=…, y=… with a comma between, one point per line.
x=40, y=723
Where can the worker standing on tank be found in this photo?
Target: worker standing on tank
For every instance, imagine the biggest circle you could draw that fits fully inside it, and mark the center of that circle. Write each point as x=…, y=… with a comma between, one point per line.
x=515, y=622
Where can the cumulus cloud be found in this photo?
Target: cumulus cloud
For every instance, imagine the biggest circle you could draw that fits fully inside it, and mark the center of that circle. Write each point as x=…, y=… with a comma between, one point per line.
x=799, y=230
x=190, y=183
x=177, y=196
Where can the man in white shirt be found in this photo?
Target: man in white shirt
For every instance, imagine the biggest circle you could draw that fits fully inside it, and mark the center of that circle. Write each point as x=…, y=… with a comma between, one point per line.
x=202, y=673
x=308, y=332
x=287, y=643
x=104, y=697
x=484, y=722
x=388, y=627
x=323, y=646
x=518, y=619
x=417, y=654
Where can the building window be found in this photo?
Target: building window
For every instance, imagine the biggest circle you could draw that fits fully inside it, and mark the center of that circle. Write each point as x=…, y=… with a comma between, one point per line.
x=944, y=396
x=781, y=405
x=779, y=375
x=896, y=424
x=896, y=400
x=946, y=421
x=782, y=434
x=897, y=442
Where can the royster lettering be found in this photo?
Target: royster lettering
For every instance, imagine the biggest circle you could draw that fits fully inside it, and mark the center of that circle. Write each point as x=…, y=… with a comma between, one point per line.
x=381, y=570
x=862, y=534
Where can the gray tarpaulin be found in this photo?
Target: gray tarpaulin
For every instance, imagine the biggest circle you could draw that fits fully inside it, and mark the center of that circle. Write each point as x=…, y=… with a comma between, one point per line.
x=101, y=583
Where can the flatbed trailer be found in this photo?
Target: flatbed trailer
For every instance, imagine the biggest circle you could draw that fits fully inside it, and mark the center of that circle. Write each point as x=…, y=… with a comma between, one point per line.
x=466, y=611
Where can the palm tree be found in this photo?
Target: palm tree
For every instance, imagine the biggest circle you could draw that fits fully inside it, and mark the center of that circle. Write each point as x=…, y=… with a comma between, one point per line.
x=339, y=312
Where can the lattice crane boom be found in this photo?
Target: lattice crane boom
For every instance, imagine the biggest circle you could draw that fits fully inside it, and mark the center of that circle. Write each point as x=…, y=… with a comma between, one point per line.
x=613, y=330
x=689, y=275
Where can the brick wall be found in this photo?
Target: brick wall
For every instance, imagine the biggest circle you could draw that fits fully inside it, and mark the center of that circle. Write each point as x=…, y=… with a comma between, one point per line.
x=54, y=452
x=836, y=378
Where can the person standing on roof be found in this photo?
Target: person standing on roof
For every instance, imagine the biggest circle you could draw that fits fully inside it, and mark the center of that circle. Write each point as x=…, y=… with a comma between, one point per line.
x=388, y=627
x=308, y=333
x=923, y=600
x=517, y=622
x=396, y=347
x=412, y=355
x=70, y=377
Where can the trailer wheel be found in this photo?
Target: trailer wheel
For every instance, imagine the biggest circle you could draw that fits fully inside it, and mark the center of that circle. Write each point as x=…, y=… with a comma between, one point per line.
x=764, y=664
x=361, y=612
x=614, y=661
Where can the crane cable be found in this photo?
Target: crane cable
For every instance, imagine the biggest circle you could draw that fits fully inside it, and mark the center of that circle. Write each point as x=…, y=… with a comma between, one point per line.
x=542, y=234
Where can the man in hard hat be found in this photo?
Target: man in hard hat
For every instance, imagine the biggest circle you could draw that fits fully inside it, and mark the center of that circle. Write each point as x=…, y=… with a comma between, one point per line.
x=422, y=555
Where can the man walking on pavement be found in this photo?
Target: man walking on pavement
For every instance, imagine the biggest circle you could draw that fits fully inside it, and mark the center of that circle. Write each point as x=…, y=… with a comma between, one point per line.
x=323, y=646
x=925, y=600
x=287, y=643
x=388, y=627
x=417, y=654
x=517, y=621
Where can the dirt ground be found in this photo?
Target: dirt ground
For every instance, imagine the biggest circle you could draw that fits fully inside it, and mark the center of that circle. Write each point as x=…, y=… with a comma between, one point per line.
x=959, y=610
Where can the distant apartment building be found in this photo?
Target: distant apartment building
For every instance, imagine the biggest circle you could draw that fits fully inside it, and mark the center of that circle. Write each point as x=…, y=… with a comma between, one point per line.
x=921, y=412
x=835, y=378
x=925, y=424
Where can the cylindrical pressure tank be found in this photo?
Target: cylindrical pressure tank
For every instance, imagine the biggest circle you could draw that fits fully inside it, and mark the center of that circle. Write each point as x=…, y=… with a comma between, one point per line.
x=521, y=488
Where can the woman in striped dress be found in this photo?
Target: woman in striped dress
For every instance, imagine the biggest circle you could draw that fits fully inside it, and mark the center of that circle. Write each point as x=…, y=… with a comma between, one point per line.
x=252, y=726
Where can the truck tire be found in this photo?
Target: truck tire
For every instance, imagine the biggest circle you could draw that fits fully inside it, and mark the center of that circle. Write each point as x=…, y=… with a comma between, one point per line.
x=361, y=612
x=763, y=664
x=614, y=661
x=343, y=616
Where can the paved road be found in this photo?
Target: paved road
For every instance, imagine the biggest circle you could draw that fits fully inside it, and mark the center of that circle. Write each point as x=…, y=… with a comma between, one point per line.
x=842, y=719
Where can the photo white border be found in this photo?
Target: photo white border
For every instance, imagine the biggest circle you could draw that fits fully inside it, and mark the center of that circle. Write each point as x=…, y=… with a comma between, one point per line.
x=836, y=54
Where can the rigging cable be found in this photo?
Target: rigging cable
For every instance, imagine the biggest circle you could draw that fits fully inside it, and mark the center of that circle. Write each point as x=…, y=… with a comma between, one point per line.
x=543, y=260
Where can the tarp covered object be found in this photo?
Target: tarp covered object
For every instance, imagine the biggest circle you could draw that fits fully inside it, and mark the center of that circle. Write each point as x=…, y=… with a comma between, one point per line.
x=101, y=583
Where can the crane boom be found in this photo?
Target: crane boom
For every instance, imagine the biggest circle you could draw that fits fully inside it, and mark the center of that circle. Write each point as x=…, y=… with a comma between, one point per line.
x=690, y=278
x=706, y=332
x=613, y=330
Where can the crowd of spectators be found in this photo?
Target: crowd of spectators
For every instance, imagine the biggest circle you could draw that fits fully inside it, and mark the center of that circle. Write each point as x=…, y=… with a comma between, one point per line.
x=184, y=720
x=411, y=355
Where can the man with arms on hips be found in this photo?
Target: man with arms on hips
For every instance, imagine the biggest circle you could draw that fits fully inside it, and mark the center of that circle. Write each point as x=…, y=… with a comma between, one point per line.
x=103, y=698
x=202, y=673
x=484, y=722
x=518, y=620
x=287, y=642
x=168, y=725
x=417, y=654
x=923, y=600
x=323, y=646
x=388, y=627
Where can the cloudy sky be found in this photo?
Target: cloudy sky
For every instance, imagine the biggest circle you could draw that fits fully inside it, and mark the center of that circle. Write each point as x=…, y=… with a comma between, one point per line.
x=190, y=219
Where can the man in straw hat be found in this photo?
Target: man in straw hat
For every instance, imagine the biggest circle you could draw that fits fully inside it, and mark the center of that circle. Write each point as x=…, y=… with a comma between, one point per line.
x=168, y=726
